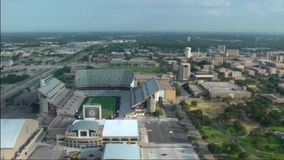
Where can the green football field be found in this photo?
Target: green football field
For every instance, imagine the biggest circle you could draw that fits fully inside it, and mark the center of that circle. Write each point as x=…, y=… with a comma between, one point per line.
x=108, y=104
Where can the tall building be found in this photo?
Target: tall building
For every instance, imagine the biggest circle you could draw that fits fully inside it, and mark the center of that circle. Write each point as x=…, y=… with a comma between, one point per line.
x=187, y=52
x=184, y=71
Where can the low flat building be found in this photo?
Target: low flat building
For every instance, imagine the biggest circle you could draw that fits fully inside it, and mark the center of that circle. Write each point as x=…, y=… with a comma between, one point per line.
x=120, y=131
x=122, y=151
x=259, y=71
x=232, y=52
x=228, y=73
x=225, y=89
x=166, y=91
x=84, y=134
x=202, y=75
x=196, y=90
x=275, y=99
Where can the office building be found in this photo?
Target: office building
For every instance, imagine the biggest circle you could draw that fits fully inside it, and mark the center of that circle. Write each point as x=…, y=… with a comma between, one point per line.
x=184, y=71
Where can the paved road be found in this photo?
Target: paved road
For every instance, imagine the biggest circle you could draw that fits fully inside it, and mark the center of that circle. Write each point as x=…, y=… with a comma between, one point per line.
x=32, y=83
x=163, y=130
x=192, y=131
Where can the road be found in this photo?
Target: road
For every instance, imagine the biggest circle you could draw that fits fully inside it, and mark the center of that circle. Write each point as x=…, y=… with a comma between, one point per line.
x=32, y=83
x=193, y=131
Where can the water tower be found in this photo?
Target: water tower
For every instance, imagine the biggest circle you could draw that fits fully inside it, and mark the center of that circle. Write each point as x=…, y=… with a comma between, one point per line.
x=187, y=52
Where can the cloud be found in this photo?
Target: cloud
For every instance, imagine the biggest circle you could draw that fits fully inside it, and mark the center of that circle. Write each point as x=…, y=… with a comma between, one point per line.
x=215, y=3
x=255, y=8
x=277, y=6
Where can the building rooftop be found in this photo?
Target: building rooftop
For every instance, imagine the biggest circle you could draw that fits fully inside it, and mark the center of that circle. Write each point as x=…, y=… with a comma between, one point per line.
x=219, y=87
x=86, y=124
x=10, y=130
x=122, y=151
x=163, y=85
x=120, y=128
x=104, y=77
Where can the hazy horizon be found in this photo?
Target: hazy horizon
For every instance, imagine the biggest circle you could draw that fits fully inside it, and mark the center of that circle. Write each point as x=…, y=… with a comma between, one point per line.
x=218, y=16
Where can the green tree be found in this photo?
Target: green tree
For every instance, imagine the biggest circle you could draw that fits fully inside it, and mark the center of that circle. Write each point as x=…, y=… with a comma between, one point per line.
x=214, y=148
x=158, y=112
x=243, y=156
x=230, y=147
x=160, y=102
x=194, y=103
x=35, y=107
x=238, y=127
x=223, y=118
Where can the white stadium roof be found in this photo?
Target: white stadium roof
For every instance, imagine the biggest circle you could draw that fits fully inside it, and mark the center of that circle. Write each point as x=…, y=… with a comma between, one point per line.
x=120, y=128
x=10, y=130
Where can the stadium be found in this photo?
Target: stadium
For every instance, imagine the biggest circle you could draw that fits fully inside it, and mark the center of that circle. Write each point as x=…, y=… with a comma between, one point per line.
x=115, y=90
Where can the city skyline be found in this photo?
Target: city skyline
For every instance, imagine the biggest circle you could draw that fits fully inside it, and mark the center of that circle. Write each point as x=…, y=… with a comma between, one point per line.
x=127, y=15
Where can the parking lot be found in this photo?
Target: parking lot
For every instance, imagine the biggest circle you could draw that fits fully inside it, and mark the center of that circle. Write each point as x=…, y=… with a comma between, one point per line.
x=165, y=131
x=168, y=151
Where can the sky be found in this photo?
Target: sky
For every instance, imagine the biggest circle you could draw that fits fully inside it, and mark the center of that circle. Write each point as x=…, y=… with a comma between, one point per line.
x=265, y=16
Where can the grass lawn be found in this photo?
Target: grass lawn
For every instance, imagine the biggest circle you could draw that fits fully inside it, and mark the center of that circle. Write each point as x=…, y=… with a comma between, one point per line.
x=108, y=104
x=279, y=129
x=268, y=148
x=212, y=109
x=139, y=69
x=230, y=130
x=214, y=135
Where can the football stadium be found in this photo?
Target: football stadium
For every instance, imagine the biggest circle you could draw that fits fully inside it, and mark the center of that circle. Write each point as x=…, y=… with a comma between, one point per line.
x=115, y=90
x=110, y=105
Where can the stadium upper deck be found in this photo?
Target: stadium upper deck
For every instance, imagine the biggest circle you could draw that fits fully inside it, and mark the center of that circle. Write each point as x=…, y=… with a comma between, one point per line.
x=104, y=79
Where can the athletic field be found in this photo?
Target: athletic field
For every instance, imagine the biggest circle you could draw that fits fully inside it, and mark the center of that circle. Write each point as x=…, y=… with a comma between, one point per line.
x=108, y=104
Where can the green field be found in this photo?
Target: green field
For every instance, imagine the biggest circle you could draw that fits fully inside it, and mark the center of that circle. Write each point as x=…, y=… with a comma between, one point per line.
x=214, y=135
x=108, y=104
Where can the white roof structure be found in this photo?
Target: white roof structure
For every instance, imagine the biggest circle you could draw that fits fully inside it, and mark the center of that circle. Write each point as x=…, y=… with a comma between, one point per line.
x=10, y=130
x=120, y=128
x=122, y=151
x=222, y=87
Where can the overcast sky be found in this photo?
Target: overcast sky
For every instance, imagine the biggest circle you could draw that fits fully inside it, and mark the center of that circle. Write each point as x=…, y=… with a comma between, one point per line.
x=143, y=15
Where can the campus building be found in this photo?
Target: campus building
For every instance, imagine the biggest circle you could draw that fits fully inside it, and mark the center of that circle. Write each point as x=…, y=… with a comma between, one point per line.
x=91, y=133
x=114, y=151
x=225, y=89
x=6, y=61
x=18, y=137
x=184, y=71
x=202, y=75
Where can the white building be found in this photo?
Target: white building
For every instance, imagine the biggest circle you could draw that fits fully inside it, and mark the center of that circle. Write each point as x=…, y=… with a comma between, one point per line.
x=187, y=52
x=114, y=151
x=18, y=137
x=6, y=62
